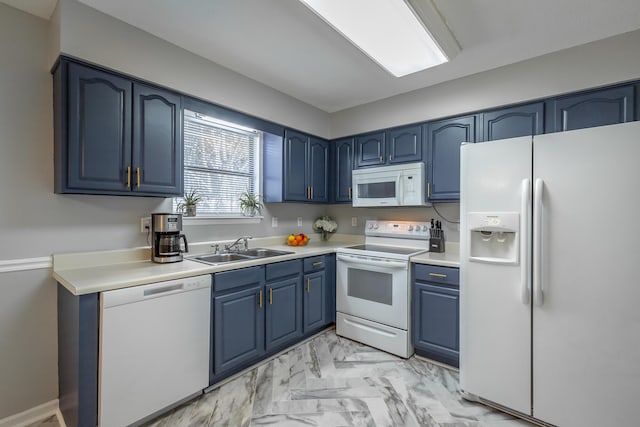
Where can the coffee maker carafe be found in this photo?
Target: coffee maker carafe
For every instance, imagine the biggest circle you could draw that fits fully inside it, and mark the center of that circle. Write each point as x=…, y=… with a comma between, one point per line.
x=166, y=237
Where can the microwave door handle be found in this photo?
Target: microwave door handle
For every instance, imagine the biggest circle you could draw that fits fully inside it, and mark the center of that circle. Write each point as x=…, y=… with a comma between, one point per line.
x=399, y=189
x=369, y=261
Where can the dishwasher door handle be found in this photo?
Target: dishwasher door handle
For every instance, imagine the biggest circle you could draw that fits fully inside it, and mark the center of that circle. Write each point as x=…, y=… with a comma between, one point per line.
x=162, y=290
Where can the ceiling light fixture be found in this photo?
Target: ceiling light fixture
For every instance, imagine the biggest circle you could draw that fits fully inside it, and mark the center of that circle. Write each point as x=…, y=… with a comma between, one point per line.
x=400, y=35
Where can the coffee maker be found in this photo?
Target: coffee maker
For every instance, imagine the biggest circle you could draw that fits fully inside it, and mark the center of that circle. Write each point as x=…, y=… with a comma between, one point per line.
x=165, y=235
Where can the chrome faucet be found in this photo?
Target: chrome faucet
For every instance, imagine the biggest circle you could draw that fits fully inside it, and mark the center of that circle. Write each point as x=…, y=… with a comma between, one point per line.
x=245, y=240
x=216, y=249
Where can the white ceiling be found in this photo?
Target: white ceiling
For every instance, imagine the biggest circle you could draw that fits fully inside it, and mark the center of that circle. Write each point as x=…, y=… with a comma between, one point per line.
x=284, y=45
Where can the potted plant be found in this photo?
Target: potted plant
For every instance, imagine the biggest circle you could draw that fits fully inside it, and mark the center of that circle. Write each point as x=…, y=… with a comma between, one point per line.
x=250, y=203
x=189, y=201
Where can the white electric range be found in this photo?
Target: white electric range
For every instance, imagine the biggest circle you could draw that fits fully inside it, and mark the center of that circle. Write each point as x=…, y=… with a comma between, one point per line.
x=373, y=289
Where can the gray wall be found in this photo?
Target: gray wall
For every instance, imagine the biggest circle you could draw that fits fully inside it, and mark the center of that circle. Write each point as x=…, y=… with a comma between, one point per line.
x=96, y=37
x=36, y=222
x=595, y=64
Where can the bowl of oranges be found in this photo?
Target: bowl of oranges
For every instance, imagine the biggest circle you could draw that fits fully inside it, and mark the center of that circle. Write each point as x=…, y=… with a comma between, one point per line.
x=297, y=239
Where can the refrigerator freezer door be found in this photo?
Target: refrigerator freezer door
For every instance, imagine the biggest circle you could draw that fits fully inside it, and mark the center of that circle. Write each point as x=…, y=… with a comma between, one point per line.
x=495, y=316
x=586, y=339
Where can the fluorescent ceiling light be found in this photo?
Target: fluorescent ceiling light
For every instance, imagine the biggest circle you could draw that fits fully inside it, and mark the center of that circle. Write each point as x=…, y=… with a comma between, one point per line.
x=388, y=31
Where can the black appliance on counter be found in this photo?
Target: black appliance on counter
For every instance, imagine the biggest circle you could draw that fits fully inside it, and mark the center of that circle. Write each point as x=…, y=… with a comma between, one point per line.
x=166, y=237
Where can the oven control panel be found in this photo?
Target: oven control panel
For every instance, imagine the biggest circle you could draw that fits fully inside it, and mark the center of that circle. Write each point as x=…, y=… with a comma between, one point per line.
x=400, y=229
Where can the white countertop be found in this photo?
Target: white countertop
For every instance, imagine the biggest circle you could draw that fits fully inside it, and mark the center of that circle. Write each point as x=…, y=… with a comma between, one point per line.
x=449, y=258
x=90, y=272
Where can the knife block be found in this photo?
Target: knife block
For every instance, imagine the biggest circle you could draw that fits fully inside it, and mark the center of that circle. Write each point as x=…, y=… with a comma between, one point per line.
x=436, y=240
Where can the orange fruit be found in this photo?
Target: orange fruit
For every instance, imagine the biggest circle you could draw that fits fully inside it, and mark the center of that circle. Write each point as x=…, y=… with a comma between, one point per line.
x=305, y=240
x=294, y=242
x=299, y=237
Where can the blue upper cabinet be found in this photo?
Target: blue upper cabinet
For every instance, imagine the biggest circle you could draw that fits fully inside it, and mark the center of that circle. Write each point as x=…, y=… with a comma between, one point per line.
x=296, y=153
x=114, y=135
x=370, y=149
x=305, y=171
x=513, y=122
x=596, y=108
x=157, y=141
x=343, y=166
x=98, y=132
x=444, y=138
x=405, y=144
x=318, y=168
x=397, y=145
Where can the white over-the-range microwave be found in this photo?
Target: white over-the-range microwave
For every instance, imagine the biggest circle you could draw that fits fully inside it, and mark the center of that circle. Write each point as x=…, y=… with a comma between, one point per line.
x=397, y=185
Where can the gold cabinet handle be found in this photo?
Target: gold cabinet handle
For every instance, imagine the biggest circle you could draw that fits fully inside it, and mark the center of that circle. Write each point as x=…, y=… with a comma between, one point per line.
x=437, y=275
x=380, y=159
x=390, y=157
x=138, y=176
x=270, y=296
x=428, y=190
x=317, y=263
x=260, y=302
x=308, y=285
x=128, y=176
x=311, y=198
x=349, y=193
x=308, y=192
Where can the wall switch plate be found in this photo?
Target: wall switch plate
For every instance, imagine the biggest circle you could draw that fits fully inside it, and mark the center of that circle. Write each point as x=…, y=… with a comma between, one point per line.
x=274, y=222
x=145, y=224
x=354, y=221
x=299, y=221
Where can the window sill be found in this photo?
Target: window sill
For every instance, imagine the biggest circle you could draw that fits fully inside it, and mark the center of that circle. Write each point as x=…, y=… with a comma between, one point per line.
x=212, y=220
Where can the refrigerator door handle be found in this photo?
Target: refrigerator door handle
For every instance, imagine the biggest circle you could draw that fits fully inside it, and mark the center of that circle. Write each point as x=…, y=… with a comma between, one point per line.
x=525, y=277
x=538, y=191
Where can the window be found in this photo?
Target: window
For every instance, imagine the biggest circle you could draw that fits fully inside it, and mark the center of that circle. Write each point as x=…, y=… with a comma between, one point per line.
x=221, y=161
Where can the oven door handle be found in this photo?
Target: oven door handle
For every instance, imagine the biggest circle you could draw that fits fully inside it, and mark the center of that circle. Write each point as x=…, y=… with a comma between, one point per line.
x=372, y=261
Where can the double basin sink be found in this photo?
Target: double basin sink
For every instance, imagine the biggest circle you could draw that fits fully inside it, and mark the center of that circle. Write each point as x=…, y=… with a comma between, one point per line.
x=215, y=259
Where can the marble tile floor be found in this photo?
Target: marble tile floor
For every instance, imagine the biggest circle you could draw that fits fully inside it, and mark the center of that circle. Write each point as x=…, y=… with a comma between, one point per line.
x=332, y=381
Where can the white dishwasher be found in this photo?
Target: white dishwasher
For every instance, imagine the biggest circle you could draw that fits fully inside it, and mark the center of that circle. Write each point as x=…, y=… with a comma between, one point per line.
x=154, y=347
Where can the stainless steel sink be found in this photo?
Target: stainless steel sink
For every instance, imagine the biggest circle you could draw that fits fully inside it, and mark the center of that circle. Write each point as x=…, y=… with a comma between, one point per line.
x=223, y=258
x=264, y=253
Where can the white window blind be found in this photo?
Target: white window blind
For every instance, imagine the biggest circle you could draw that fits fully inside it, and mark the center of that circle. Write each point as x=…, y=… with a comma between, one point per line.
x=221, y=161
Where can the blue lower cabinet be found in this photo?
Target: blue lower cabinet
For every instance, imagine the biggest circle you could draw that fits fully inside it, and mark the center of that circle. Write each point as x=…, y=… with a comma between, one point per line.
x=436, y=305
x=284, y=312
x=315, y=300
x=238, y=307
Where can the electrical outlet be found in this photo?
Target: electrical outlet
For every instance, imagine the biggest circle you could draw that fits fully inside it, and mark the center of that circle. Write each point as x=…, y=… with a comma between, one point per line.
x=299, y=221
x=274, y=222
x=354, y=221
x=145, y=224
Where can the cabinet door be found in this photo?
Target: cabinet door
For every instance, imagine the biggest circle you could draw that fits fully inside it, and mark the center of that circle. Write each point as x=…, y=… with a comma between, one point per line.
x=238, y=328
x=370, y=149
x=284, y=312
x=318, y=167
x=315, y=295
x=99, y=133
x=157, y=142
x=513, y=122
x=296, y=187
x=443, y=153
x=343, y=164
x=436, y=322
x=598, y=108
x=405, y=144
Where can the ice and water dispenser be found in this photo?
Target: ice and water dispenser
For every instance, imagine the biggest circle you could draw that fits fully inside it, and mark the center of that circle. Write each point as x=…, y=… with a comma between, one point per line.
x=494, y=237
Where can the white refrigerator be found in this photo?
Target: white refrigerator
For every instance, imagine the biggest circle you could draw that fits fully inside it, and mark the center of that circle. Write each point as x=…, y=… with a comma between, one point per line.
x=550, y=243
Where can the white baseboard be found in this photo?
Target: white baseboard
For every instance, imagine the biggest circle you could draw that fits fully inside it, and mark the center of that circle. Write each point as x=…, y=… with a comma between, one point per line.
x=32, y=415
